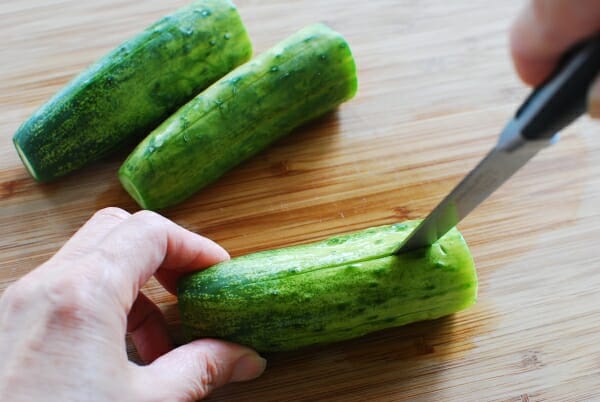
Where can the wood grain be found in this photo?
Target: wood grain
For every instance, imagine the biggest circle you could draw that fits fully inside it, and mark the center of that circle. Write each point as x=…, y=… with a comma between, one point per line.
x=436, y=86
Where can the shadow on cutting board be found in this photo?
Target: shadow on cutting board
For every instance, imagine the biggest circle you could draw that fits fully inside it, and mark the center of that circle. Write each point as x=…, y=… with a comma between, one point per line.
x=379, y=364
x=408, y=360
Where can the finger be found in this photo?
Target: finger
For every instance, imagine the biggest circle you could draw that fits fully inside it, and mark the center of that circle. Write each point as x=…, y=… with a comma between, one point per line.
x=148, y=329
x=145, y=242
x=192, y=371
x=545, y=30
x=168, y=278
x=92, y=232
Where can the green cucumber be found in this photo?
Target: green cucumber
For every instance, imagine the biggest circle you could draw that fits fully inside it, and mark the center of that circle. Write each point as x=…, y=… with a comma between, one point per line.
x=304, y=76
x=337, y=289
x=127, y=93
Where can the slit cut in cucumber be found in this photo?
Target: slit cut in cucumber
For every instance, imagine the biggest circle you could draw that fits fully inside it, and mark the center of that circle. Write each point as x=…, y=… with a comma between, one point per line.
x=328, y=291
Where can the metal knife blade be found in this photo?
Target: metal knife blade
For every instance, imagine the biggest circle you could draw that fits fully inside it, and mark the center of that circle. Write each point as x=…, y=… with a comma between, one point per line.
x=508, y=156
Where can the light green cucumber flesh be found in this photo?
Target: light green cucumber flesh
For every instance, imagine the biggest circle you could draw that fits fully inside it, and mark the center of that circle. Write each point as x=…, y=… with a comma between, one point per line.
x=337, y=289
x=302, y=77
x=128, y=92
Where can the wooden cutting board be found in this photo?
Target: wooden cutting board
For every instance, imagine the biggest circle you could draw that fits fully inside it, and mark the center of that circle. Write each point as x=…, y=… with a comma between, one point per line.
x=436, y=86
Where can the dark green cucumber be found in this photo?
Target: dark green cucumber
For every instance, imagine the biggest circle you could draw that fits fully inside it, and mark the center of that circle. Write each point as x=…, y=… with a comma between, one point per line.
x=304, y=76
x=127, y=93
x=333, y=290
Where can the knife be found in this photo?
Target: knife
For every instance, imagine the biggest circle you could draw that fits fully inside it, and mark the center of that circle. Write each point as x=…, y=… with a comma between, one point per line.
x=548, y=109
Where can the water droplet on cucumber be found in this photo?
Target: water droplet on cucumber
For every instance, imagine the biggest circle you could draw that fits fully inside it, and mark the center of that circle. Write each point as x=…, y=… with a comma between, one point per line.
x=186, y=31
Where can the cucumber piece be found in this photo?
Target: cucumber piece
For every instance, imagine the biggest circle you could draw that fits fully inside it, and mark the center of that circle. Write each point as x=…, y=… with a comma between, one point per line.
x=304, y=76
x=337, y=289
x=131, y=90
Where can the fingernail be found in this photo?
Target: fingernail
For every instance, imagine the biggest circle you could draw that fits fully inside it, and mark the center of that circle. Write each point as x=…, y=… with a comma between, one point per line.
x=248, y=367
x=594, y=99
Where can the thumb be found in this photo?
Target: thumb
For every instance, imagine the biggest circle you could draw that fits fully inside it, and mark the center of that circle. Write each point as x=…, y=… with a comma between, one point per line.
x=190, y=372
x=594, y=99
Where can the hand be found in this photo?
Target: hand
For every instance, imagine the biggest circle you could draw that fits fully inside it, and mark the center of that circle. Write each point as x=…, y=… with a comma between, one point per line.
x=63, y=325
x=545, y=30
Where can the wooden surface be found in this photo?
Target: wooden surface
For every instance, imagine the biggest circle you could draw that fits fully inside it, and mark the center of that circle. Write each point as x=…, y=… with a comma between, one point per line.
x=436, y=86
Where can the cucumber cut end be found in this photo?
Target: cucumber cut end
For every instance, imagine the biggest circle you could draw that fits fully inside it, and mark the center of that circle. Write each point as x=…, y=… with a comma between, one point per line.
x=131, y=188
x=26, y=162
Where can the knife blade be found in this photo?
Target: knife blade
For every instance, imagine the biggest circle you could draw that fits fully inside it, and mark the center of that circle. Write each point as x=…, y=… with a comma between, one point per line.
x=552, y=106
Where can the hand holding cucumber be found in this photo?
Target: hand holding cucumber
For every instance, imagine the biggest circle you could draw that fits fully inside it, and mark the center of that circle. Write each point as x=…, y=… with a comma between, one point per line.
x=63, y=324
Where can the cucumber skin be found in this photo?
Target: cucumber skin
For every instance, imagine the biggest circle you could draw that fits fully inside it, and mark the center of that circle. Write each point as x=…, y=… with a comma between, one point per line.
x=302, y=77
x=333, y=290
x=128, y=92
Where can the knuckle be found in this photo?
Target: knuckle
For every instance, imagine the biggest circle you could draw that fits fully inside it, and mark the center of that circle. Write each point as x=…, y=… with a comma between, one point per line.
x=152, y=222
x=211, y=375
x=148, y=216
x=69, y=298
x=112, y=213
x=153, y=225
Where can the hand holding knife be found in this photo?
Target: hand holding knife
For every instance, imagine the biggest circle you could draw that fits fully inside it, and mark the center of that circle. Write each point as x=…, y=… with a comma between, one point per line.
x=549, y=108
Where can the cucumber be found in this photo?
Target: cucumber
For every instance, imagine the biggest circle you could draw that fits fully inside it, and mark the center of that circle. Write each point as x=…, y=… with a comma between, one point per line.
x=304, y=76
x=127, y=93
x=336, y=289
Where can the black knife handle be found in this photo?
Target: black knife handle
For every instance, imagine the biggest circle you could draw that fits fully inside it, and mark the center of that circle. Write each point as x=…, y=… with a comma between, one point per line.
x=562, y=98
